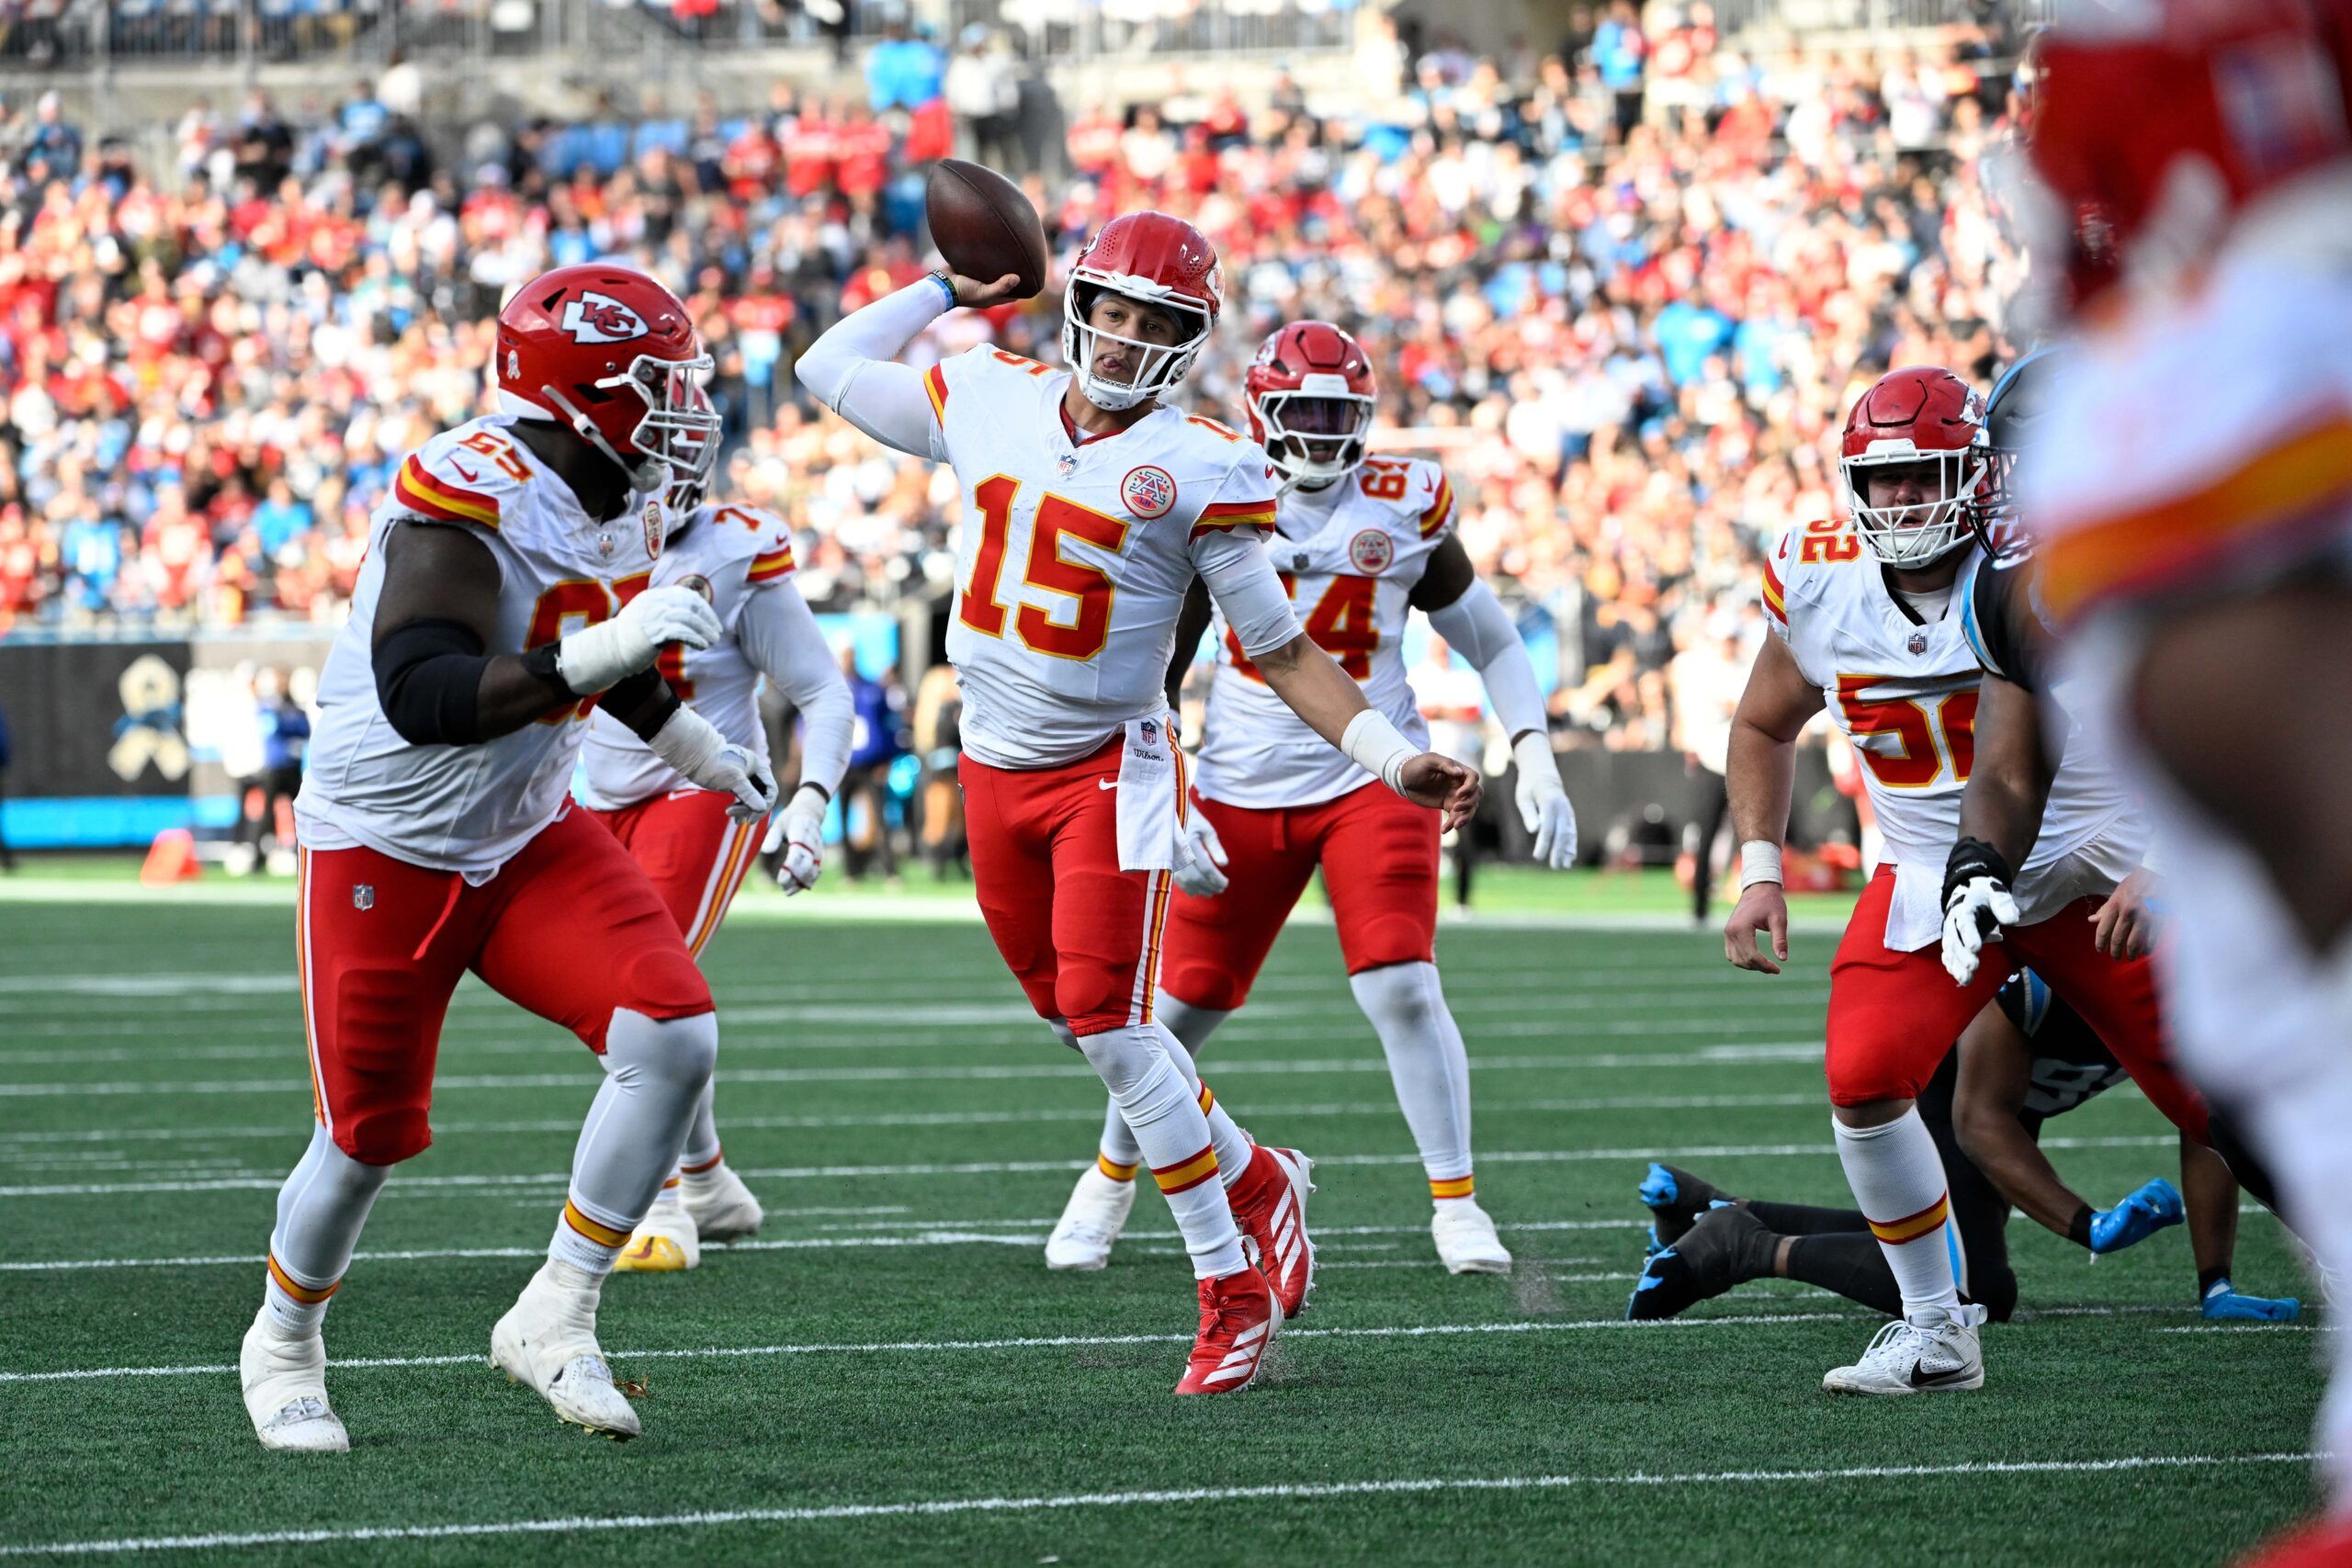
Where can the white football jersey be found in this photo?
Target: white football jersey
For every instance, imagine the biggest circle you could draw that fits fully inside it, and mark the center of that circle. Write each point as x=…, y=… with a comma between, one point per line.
x=469, y=808
x=1350, y=557
x=1074, y=555
x=2190, y=452
x=1904, y=693
x=738, y=550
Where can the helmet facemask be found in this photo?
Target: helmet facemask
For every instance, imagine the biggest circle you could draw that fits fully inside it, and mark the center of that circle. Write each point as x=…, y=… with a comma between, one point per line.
x=679, y=432
x=1160, y=366
x=1914, y=533
x=1315, y=437
x=690, y=486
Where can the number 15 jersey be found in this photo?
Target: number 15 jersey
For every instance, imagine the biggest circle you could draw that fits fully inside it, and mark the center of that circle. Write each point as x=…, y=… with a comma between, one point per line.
x=1903, y=692
x=1075, y=553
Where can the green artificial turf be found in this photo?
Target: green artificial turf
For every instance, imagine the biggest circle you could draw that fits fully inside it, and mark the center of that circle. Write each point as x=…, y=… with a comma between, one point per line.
x=913, y=1134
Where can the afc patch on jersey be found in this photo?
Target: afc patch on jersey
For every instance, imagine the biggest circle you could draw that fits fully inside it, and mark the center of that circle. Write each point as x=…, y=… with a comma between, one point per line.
x=1148, y=492
x=656, y=525
x=1372, y=552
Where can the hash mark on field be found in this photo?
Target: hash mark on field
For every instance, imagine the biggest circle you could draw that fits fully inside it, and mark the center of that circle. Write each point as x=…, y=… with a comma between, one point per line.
x=1291, y=1492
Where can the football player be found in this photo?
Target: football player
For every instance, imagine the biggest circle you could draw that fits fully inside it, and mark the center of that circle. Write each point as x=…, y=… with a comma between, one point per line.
x=506, y=593
x=2189, y=493
x=692, y=849
x=1864, y=621
x=1090, y=506
x=2026, y=1058
x=1360, y=541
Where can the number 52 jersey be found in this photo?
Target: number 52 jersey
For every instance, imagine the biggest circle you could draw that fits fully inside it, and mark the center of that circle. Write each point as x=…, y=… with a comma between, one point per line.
x=469, y=808
x=1905, y=690
x=1075, y=553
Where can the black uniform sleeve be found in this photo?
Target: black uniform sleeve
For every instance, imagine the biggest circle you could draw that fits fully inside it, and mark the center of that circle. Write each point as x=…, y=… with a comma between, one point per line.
x=1999, y=620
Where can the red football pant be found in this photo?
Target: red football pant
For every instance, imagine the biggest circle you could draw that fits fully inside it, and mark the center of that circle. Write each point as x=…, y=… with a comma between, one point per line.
x=693, y=852
x=1894, y=1015
x=1378, y=853
x=1080, y=935
x=570, y=928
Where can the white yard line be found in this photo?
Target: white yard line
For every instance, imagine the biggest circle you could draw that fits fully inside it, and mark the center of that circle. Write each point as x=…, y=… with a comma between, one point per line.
x=551, y=1179
x=1295, y=1492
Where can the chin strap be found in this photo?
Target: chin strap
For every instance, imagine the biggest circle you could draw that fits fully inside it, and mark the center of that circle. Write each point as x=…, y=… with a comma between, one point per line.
x=644, y=477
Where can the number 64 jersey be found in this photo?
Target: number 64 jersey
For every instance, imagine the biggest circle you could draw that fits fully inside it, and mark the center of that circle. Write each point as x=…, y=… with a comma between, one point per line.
x=1075, y=553
x=1904, y=691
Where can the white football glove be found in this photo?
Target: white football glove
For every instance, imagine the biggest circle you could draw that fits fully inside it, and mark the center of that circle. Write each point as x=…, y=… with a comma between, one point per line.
x=1974, y=914
x=1200, y=859
x=801, y=833
x=593, y=657
x=1542, y=802
x=693, y=745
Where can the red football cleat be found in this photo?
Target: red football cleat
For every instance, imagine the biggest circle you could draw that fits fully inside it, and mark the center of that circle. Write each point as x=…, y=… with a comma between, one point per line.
x=1270, y=1205
x=1239, y=1317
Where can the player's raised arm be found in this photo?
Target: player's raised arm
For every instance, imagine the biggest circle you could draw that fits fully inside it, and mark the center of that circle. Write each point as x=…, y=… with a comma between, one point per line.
x=438, y=614
x=1465, y=611
x=1233, y=563
x=1760, y=778
x=853, y=368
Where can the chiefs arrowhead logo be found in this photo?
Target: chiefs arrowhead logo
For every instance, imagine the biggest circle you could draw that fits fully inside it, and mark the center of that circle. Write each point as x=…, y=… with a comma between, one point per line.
x=599, y=318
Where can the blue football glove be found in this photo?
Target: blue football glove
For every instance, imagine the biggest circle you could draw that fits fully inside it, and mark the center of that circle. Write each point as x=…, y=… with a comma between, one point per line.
x=2223, y=1305
x=2136, y=1218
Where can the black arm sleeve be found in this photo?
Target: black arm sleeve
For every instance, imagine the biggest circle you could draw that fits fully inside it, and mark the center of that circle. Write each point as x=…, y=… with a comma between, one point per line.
x=428, y=678
x=643, y=701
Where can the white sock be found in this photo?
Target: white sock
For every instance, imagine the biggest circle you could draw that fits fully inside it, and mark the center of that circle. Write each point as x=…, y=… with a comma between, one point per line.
x=1184, y=1030
x=1428, y=1065
x=1898, y=1181
x=1173, y=1135
x=321, y=1210
x=655, y=1072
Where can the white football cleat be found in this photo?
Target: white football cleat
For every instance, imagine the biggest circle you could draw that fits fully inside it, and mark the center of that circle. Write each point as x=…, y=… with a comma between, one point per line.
x=1091, y=1222
x=547, y=1339
x=1906, y=1358
x=1467, y=1242
x=285, y=1381
x=666, y=1241
x=722, y=1206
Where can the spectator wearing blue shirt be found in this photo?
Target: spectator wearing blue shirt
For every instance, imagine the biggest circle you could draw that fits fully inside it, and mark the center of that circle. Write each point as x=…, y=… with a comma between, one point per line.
x=280, y=519
x=1686, y=333
x=54, y=151
x=902, y=71
x=875, y=741
x=1621, y=54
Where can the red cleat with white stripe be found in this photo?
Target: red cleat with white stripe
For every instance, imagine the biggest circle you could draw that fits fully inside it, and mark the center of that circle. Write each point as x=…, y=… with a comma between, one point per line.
x=1270, y=1205
x=1240, y=1318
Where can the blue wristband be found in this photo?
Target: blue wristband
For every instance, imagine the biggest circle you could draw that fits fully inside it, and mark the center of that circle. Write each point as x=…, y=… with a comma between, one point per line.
x=941, y=279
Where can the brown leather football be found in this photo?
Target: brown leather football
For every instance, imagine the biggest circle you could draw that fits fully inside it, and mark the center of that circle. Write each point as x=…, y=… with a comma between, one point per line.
x=984, y=225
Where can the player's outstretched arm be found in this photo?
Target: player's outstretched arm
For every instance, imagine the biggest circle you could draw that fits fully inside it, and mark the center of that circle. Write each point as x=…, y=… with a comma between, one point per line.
x=782, y=640
x=437, y=613
x=853, y=366
x=1474, y=623
x=1995, y=1071
x=1760, y=778
x=2000, y=816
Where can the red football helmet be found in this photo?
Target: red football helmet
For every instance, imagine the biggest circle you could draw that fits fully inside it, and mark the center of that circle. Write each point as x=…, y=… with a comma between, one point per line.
x=1162, y=261
x=1310, y=394
x=1927, y=419
x=2155, y=120
x=612, y=353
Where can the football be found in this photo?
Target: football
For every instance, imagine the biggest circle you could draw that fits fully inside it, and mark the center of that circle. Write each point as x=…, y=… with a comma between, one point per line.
x=984, y=225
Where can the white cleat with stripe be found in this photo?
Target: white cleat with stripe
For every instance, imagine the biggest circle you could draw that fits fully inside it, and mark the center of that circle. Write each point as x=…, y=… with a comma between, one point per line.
x=548, y=1341
x=1467, y=1242
x=722, y=1207
x=285, y=1381
x=1090, y=1222
x=1910, y=1359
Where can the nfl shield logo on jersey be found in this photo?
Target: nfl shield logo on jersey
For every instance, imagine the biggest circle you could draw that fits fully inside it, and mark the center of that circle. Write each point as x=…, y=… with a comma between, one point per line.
x=1148, y=492
x=1371, y=552
x=1150, y=733
x=363, y=896
x=1065, y=465
x=1918, y=643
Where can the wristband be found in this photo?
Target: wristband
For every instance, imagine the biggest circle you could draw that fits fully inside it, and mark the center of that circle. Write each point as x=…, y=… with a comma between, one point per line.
x=2078, y=1229
x=1374, y=744
x=542, y=663
x=945, y=281
x=1759, y=860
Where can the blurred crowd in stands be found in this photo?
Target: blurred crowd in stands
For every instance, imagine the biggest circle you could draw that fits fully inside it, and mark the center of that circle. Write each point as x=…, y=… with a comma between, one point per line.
x=1624, y=284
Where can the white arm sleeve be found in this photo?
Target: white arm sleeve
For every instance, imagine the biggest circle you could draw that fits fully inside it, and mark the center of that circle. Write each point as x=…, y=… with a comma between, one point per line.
x=780, y=636
x=1477, y=625
x=852, y=368
x=1246, y=587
